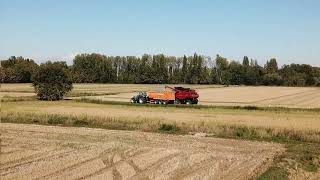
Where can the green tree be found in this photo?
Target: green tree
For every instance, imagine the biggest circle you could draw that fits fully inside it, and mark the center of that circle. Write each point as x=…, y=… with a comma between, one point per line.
x=245, y=61
x=236, y=71
x=52, y=81
x=223, y=75
x=184, y=69
x=18, y=70
x=272, y=66
x=144, y=71
x=272, y=79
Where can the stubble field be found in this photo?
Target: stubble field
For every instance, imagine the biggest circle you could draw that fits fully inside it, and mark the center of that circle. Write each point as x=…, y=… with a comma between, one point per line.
x=292, y=97
x=44, y=152
x=34, y=151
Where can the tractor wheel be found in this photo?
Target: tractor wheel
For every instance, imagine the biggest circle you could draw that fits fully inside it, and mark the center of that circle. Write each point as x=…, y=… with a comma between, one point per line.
x=142, y=100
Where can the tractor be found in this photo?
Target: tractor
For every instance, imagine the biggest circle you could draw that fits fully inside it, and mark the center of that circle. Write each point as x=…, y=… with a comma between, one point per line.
x=171, y=95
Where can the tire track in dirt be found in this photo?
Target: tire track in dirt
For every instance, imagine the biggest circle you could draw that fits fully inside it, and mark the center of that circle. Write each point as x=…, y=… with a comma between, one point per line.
x=192, y=170
x=144, y=173
x=286, y=98
x=122, y=157
x=304, y=98
x=127, y=160
x=283, y=96
x=32, y=160
x=56, y=157
x=69, y=168
x=24, y=160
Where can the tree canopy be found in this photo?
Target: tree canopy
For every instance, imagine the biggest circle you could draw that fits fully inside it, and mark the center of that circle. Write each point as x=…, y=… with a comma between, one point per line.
x=52, y=81
x=195, y=69
x=17, y=69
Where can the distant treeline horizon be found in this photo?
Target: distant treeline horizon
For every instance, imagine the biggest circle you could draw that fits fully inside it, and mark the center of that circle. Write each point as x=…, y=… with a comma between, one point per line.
x=161, y=69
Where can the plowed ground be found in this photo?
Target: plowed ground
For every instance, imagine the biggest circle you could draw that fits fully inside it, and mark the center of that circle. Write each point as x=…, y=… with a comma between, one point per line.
x=45, y=152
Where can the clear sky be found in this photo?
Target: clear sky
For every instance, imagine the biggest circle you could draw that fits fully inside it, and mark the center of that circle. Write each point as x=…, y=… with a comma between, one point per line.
x=288, y=30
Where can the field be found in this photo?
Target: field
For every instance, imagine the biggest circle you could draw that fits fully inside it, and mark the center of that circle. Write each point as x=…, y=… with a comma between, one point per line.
x=76, y=153
x=236, y=132
x=301, y=120
x=293, y=97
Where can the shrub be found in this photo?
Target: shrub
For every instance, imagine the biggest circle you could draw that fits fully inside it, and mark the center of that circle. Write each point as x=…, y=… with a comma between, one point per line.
x=272, y=79
x=169, y=128
x=52, y=81
x=81, y=123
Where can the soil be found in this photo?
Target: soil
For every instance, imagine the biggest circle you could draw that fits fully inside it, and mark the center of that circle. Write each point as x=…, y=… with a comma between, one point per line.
x=46, y=152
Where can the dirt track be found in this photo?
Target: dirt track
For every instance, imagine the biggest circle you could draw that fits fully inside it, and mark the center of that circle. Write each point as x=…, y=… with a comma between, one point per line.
x=33, y=151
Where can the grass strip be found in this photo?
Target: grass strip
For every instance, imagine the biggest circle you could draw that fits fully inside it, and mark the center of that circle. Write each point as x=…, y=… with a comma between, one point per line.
x=17, y=99
x=250, y=108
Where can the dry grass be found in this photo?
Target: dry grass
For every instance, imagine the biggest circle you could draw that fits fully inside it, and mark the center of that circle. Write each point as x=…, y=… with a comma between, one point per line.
x=160, y=125
x=15, y=94
x=296, y=120
x=298, y=125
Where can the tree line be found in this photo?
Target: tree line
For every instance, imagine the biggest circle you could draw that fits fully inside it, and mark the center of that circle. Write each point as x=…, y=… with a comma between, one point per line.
x=196, y=69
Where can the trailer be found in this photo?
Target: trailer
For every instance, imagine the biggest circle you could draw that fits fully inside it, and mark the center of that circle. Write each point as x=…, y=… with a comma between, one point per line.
x=171, y=95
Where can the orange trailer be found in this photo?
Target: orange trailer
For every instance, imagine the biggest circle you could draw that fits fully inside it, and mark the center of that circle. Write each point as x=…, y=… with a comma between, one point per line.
x=165, y=96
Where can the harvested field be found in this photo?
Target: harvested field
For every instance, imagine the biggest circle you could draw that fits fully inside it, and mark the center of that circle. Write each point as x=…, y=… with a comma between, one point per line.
x=292, y=97
x=97, y=89
x=125, y=88
x=17, y=87
x=45, y=152
x=296, y=97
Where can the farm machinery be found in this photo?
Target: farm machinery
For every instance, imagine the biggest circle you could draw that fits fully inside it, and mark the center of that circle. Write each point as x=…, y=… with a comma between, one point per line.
x=171, y=95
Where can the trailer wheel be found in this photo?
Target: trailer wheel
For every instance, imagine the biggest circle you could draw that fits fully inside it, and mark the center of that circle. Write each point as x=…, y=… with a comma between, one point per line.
x=177, y=101
x=164, y=102
x=195, y=101
x=188, y=102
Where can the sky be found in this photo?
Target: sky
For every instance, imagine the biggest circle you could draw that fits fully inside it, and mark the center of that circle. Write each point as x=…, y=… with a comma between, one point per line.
x=288, y=30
